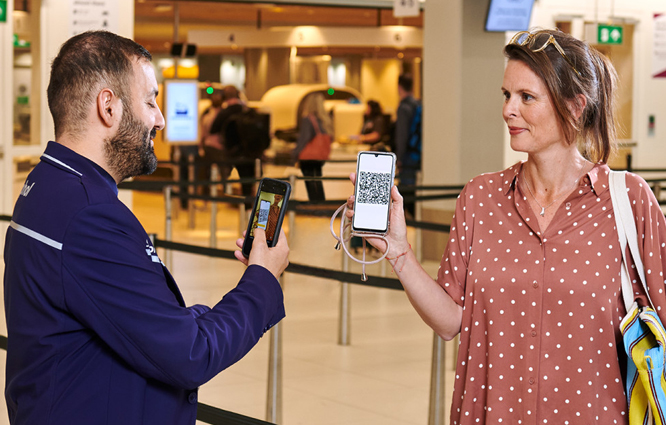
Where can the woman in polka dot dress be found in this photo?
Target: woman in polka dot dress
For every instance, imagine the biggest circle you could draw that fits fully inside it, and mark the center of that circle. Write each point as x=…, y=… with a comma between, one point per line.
x=531, y=274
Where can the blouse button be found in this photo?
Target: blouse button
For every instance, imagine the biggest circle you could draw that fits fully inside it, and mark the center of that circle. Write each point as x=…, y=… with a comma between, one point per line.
x=568, y=205
x=531, y=381
x=535, y=284
x=534, y=333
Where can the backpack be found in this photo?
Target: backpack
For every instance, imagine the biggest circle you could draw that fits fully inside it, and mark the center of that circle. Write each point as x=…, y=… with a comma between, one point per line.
x=252, y=133
x=413, y=154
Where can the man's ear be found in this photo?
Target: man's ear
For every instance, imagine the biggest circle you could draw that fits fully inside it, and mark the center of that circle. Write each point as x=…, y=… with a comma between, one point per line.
x=577, y=106
x=109, y=107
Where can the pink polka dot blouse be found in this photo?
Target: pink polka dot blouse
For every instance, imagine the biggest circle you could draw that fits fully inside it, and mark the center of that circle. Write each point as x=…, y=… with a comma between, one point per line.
x=540, y=340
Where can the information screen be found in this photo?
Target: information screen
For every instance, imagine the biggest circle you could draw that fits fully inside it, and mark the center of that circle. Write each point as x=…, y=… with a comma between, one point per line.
x=509, y=15
x=181, y=111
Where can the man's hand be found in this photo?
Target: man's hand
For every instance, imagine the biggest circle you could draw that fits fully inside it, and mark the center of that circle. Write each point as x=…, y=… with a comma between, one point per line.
x=275, y=259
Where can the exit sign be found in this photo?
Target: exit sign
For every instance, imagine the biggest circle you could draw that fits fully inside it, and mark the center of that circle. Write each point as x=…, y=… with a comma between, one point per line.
x=609, y=34
x=3, y=10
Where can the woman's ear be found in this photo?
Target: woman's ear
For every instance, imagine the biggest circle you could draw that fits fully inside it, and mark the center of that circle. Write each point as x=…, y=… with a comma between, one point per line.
x=109, y=107
x=577, y=106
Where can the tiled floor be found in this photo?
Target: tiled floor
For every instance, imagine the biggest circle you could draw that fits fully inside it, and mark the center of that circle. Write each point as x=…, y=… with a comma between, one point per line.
x=382, y=377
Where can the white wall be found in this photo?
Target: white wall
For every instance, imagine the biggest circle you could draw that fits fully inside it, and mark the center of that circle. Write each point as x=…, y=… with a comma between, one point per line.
x=50, y=29
x=649, y=94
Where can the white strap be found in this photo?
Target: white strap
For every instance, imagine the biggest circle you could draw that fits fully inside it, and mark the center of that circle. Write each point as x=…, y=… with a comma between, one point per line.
x=626, y=229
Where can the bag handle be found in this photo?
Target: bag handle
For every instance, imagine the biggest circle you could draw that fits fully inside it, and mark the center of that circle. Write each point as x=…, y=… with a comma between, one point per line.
x=626, y=229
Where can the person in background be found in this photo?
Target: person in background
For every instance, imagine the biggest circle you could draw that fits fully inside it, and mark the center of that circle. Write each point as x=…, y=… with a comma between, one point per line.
x=98, y=331
x=232, y=152
x=407, y=165
x=530, y=278
x=374, y=125
x=313, y=111
x=206, y=122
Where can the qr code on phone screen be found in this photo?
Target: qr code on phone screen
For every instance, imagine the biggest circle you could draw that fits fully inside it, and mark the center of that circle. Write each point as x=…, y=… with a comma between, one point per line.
x=373, y=188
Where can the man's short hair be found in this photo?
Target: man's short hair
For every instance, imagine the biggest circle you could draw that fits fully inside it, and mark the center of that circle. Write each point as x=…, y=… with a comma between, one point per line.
x=406, y=82
x=86, y=64
x=230, y=92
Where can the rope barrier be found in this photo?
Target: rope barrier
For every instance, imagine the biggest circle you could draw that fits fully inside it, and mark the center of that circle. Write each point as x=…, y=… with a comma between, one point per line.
x=375, y=281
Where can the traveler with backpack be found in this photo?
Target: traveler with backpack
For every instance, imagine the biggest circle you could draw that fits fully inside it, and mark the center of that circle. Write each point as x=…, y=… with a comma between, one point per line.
x=244, y=135
x=408, y=138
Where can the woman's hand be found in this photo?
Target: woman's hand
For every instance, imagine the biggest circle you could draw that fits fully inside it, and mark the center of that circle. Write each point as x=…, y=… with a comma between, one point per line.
x=397, y=235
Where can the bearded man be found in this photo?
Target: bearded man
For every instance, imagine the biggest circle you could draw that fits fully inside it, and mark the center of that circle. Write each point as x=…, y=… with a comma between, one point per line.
x=98, y=331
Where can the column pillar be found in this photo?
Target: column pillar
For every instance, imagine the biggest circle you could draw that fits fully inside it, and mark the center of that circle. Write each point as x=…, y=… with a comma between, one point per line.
x=463, y=130
x=265, y=68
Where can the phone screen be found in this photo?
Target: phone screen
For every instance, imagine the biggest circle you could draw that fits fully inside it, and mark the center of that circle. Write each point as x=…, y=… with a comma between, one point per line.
x=374, y=179
x=268, y=213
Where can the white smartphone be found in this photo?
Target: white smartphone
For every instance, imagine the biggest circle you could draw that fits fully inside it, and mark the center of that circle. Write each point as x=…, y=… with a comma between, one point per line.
x=375, y=172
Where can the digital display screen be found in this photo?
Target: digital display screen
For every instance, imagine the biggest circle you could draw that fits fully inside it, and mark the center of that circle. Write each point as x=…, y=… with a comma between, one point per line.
x=509, y=15
x=181, y=111
x=267, y=214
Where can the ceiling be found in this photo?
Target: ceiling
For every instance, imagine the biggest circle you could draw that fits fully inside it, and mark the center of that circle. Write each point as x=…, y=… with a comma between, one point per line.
x=155, y=20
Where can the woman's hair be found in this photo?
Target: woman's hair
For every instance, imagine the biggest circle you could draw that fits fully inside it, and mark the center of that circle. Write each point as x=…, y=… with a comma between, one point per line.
x=314, y=104
x=86, y=64
x=593, y=77
x=375, y=108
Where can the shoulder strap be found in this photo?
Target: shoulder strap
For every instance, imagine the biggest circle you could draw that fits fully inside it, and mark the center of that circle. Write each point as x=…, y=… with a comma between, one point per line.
x=314, y=122
x=626, y=229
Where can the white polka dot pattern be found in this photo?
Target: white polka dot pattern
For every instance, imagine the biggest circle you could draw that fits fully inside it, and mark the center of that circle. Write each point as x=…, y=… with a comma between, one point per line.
x=539, y=338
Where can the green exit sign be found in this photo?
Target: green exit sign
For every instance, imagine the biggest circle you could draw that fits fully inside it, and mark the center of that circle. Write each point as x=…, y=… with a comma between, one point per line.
x=3, y=10
x=609, y=34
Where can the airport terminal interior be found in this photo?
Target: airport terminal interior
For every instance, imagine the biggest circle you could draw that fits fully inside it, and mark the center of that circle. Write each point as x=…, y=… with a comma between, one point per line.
x=349, y=353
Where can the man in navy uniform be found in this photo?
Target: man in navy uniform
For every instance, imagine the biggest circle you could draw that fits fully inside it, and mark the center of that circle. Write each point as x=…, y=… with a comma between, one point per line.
x=98, y=332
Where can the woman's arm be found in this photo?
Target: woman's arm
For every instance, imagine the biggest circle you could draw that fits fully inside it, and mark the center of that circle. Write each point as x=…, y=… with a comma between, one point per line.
x=437, y=309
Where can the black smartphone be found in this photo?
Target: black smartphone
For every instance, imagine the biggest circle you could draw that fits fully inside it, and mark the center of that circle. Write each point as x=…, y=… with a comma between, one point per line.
x=375, y=172
x=268, y=212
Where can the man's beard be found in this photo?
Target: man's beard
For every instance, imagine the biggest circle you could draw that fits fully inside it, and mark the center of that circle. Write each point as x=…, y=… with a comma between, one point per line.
x=129, y=152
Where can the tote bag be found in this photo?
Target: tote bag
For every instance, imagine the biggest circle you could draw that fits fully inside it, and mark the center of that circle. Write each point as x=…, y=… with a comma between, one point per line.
x=319, y=148
x=642, y=331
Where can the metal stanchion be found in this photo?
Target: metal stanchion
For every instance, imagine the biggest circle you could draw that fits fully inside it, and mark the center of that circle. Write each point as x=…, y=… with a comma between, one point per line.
x=242, y=219
x=436, y=414
x=257, y=172
x=418, y=217
x=344, y=326
x=274, y=396
x=214, y=176
x=190, y=190
x=292, y=213
x=382, y=268
x=168, y=256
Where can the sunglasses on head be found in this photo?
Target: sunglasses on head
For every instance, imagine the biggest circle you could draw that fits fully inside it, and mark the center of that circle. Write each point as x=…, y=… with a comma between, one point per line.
x=527, y=39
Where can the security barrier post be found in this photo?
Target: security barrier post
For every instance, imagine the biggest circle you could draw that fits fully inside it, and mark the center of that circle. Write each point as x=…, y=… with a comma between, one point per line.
x=241, y=219
x=257, y=172
x=344, y=326
x=214, y=176
x=292, y=213
x=167, y=225
x=190, y=190
x=436, y=414
x=274, y=396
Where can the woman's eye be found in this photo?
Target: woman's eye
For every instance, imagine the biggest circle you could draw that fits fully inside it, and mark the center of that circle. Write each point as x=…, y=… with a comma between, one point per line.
x=527, y=96
x=506, y=95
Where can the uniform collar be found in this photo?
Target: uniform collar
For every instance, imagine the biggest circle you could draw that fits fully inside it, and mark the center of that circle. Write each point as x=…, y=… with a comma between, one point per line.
x=67, y=160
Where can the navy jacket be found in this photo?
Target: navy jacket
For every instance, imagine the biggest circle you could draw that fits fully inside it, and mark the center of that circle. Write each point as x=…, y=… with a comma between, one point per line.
x=98, y=332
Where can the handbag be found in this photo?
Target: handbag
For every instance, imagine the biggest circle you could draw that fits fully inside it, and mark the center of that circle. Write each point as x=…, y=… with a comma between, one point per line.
x=642, y=331
x=319, y=148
